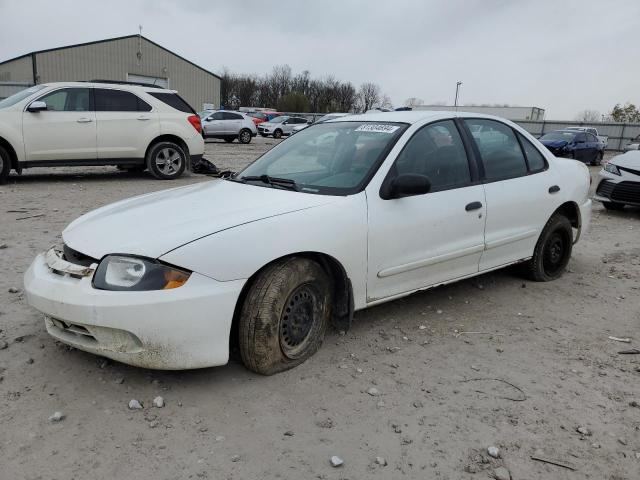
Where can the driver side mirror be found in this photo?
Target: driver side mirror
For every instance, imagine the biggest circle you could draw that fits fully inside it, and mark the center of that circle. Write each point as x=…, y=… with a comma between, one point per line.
x=37, y=106
x=406, y=185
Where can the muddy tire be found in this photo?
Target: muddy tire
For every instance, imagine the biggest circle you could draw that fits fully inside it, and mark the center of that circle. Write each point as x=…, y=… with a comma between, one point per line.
x=277, y=134
x=284, y=316
x=5, y=165
x=613, y=206
x=244, y=136
x=166, y=160
x=552, y=252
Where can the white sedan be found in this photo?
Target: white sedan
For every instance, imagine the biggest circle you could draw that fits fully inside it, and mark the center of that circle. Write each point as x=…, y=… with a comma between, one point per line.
x=346, y=214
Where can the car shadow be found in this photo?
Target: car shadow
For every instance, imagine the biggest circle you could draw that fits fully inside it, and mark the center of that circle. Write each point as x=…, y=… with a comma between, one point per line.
x=91, y=176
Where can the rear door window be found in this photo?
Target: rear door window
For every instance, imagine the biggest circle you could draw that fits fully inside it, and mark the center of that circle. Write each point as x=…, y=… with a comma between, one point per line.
x=108, y=100
x=173, y=100
x=231, y=116
x=499, y=148
x=535, y=159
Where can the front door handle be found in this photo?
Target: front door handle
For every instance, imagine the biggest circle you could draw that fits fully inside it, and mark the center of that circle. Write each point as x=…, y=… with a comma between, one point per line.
x=554, y=189
x=84, y=120
x=473, y=206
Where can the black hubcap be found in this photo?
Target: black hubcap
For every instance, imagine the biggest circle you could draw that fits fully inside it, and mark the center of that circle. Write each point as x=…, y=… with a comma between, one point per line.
x=297, y=322
x=554, y=253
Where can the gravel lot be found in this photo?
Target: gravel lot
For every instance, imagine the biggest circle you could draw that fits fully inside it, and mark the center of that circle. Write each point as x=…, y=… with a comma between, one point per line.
x=442, y=397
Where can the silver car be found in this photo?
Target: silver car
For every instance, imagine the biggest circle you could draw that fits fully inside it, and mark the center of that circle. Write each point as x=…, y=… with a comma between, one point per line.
x=279, y=126
x=227, y=125
x=619, y=182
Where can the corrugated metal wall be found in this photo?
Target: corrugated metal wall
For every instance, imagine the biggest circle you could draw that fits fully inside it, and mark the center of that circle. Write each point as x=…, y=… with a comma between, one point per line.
x=619, y=133
x=113, y=60
x=18, y=70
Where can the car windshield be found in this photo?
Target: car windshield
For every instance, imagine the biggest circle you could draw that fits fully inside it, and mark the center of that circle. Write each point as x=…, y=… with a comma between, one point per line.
x=278, y=119
x=21, y=95
x=336, y=158
x=330, y=116
x=558, y=136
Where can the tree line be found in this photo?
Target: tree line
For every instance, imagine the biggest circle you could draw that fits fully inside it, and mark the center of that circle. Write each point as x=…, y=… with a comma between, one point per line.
x=288, y=92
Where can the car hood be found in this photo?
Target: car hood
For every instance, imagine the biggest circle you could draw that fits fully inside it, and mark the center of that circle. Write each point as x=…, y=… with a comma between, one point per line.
x=629, y=159
x=554, y=143
x=154, y=224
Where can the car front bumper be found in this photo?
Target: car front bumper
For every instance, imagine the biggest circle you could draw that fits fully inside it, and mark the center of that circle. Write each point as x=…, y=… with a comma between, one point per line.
x=183, y=328
x=623, y=189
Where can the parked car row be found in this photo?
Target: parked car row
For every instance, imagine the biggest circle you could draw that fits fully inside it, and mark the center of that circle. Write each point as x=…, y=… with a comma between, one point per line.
x=132, y=126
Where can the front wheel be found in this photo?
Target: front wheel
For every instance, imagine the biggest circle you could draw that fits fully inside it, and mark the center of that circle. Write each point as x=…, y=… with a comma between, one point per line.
x=5, y=165
x=166, y=160
x=244, y=136
x=613, y=206
x=277, y=134
x=284, y=315
x=553, y=250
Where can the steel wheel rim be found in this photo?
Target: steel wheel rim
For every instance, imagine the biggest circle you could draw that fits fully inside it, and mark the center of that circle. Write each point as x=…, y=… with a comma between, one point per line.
x=168, y=161
x=554, y=255
x=298, y=321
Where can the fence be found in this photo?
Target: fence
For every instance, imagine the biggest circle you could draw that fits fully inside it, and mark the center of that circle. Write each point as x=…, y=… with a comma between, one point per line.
x=619, y=133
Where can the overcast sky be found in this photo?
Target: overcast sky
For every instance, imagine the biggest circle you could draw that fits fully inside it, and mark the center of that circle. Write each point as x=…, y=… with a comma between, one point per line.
x=561, y=55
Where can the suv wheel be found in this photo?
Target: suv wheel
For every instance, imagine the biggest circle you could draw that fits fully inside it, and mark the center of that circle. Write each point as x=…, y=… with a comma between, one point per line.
x=244, y=136
x=166, y=160
x=277, y=134
x=5, y=165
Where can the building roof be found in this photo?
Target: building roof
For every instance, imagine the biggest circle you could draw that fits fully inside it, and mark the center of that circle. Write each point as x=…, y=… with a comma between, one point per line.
x=110, y=40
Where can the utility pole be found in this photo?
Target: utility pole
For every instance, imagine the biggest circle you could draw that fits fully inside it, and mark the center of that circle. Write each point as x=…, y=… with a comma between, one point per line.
x=455, y=103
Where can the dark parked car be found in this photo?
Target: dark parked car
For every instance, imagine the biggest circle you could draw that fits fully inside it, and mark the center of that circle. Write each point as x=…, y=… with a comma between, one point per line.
x=583, y=146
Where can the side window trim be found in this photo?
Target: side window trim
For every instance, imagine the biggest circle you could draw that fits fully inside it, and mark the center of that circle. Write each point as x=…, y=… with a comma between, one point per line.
x=391, y=173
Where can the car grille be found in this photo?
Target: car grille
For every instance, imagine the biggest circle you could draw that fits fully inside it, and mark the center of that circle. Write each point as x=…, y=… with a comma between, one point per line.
x=626, y=192
x=605, y=188
x=77, y=258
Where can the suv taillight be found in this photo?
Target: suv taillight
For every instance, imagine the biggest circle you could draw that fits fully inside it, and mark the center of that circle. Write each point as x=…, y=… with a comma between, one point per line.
x=195, y=121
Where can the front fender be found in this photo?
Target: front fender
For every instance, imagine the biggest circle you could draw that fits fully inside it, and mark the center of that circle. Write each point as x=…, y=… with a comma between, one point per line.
x=11, y=132
x=338, y=229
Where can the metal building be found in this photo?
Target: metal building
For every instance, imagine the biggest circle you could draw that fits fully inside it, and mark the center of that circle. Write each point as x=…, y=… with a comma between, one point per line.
x=510, y=113
x=133, y=58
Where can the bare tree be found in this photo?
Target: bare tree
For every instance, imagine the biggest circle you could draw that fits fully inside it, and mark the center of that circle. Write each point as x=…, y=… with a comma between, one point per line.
x=368, y=96
x=384, y=102
x=589, y=116
x=413, y=102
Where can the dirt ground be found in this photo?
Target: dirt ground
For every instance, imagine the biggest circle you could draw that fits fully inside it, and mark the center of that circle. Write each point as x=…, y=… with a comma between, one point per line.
x=443, y=396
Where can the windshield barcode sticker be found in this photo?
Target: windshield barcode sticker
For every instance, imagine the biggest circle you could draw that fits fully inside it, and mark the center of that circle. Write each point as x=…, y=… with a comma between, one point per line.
x=377, y=128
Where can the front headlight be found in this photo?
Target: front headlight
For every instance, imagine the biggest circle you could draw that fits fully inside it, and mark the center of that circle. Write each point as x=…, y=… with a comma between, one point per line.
x=611, y=168
x=120, y=272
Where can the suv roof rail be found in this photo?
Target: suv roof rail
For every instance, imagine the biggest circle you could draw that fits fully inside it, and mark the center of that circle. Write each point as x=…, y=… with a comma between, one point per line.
x=122, y=82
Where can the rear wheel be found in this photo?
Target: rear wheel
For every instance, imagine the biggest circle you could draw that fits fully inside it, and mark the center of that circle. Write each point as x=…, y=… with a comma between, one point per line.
x=553, y=250
x=284, y=316
x=244, y=136
x=598, y=159
x=166, y=160
x=613, y=206
x=277, y=134
x=5, y=165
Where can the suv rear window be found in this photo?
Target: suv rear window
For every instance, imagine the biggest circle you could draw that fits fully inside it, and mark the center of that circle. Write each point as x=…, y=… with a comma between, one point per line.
x=173, y=100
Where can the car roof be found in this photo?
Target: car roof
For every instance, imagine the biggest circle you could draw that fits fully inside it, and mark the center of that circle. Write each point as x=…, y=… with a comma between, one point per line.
x=120, y=86
x=413, y=116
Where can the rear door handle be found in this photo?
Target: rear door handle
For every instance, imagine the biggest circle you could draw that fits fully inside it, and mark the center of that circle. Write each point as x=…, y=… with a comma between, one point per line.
x=84, y=120
x=473, y=206
x=554, y=189
x=142, y=117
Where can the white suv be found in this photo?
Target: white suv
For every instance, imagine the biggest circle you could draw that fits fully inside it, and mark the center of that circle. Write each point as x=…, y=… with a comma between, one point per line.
x=78, y=124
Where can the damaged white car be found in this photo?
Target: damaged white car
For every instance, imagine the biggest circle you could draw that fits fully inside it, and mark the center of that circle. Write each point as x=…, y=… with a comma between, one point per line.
x=344, y=215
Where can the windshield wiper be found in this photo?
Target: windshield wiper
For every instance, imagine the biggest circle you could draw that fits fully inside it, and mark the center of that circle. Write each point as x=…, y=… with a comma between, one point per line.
x=273, y=181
